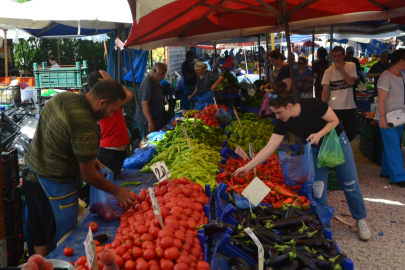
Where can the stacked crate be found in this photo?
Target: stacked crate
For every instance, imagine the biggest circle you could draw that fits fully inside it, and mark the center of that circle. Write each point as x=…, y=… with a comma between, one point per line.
x=371, y=144
x=12, y=205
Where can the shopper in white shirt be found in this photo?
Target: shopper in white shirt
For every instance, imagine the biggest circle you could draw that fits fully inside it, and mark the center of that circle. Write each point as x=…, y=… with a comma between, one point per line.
x=52, y=60
x=338, y=79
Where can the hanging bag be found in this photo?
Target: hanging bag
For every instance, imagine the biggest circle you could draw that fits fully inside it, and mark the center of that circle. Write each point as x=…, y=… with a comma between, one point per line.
x=331, y=153
x=298, y=170
x=265, y=110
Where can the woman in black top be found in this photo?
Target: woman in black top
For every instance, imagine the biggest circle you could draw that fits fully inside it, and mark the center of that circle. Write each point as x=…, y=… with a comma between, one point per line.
x=281, y=73
x=311, y=119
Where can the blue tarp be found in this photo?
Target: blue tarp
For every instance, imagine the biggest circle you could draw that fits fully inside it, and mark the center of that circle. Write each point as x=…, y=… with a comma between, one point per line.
x=64, y=30
x=374, y=47
x=139, y=59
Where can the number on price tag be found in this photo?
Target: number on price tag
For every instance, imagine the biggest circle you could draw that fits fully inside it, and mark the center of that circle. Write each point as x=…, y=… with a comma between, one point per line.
x=88, y=247
x=251, y=153
x=259, y=247
x=160, y=170
x=195, y=120
x=241, y=153
x=186, y=136
x=256, y=191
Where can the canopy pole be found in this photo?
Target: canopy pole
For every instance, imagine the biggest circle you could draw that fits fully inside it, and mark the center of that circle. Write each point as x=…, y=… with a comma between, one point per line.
x=3, y=241
x=260, y=58
x=281, y=42
x=273, y=43
x=60, y=62
x=330, y=44
x=5, y=55
x=214, y=44
x=133, y=76
x=23, y=53
x=267, y=54
x=119, y=58
x=94, y=57
x=106, y=52
x=244, y=52
x=313, y=49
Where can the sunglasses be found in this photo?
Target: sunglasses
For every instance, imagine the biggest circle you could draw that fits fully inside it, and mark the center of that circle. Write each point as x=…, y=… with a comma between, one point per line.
x=275, y=97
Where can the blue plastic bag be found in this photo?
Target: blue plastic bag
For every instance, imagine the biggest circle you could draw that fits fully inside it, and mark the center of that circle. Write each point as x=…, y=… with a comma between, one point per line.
x=325, y=214
x=104, y=204
x=298, y=170
x=156, y=136
x=137, y=161
x=242, y=203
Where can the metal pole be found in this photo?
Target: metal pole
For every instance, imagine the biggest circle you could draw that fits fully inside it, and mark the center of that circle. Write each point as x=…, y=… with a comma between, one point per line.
x=267, y=56
x=260, y=58
x=330, y=44
x=151, y=59
x=133, y=76
x=119, y=79
x=22, y=49
x=3, y=241
x=313, y=49
x=60, y=62
x=5, y=52
x=94, y=57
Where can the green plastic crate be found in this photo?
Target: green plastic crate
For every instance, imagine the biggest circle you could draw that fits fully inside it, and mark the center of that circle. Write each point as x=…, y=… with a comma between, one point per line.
x=333, y=182
x=73, y=77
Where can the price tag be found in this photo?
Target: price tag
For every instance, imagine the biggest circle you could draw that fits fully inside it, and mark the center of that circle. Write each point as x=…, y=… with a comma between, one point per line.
x=215, y=102
x=259, y=247
x=156, y=207
x=251, y=92
x=161, y=171
x=251, y=153
x=90, y=248
x=256, y=191
x=186, y=136
x=241, y=153
x=237, y=117
x=195, y=120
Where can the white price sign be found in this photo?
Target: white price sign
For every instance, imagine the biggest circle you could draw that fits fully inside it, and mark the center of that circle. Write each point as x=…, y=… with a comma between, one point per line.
x=88, y=247
x=241, y=153
x=161, y=171
x=259, y=247
x=251, y=153
x=156, y=207
x=251, y=92
x=186, y=136
x=256, y=191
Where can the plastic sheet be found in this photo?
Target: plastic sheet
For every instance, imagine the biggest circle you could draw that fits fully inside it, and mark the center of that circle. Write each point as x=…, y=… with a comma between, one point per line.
x=222, y=116
x=265, y=110
x=137, y=161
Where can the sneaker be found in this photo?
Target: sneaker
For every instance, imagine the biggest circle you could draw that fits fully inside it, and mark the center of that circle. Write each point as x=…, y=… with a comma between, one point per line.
x=399, y=184
x=364, y=231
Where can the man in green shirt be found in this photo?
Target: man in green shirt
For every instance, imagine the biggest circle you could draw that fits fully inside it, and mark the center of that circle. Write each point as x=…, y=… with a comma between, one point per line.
x=64, y=149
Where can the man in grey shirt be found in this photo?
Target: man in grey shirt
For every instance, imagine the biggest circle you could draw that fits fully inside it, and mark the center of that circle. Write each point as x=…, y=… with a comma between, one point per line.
x=149, y=114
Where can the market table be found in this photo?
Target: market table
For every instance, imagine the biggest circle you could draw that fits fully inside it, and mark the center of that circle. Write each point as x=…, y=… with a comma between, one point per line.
x=79, y=233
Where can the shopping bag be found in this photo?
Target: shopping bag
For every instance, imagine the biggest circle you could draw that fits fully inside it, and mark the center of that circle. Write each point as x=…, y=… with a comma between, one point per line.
x=222, y=116
x=298, y=170
x=331, y=153
x=265, y=110
x=140, y=159
x=104, y=204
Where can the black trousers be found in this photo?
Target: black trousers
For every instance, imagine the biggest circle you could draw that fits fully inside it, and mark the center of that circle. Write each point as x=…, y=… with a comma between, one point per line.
x=348, y=117
x=113, y=159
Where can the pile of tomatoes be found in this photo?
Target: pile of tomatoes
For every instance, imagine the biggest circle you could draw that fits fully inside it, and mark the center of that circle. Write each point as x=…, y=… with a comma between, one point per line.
x=141, y=243
x=208, y=115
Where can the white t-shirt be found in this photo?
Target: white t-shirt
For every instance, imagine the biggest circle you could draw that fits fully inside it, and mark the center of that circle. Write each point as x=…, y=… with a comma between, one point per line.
x=395, y=87
x=55, y=65
x=341, y=93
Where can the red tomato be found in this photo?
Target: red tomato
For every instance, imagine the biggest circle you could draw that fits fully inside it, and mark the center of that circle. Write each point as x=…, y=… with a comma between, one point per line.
x=148, y=245
x=127, y=244
x=147, y=237
x=68, y=251
x=195, y=252
x=166, y=265
x=119, y=261
x=166, y=242
x=177, y=243
x=149, y=254
x=159, y=251
x=126, y=257
x=181, y=266
x=130, y=265
x=154, y=231
x=165, y=232
x=179, y=235
x=142, y=229
x=154, y=267
x=115, y=244
x=137, y=252
x=184, y=259
x=203, y=265
x=142, y=265
x=93, y=226
x=171, y=253
x=120, y=250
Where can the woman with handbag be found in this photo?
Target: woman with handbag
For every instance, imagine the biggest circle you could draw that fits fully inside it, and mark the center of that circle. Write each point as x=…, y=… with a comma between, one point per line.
x=304, y=79
x=311, y=119
x=391, y=116
x=281, y=73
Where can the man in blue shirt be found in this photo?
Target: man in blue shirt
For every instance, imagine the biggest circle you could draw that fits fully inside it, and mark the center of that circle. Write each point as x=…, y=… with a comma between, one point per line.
x=378, y=68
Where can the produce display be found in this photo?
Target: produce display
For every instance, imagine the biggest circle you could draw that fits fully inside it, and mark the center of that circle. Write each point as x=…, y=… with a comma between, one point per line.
x=190, y=113
x=253, y=101
x=271, y=174
x=198, y=163
x=229, y=85
x=208, y=115
x=256, y=132
x=141, y=243
x=211, y=136
x=291, y=239
x=369, y=64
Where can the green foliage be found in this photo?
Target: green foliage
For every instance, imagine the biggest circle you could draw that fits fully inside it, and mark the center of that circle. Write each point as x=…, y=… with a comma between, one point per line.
x=71, y=50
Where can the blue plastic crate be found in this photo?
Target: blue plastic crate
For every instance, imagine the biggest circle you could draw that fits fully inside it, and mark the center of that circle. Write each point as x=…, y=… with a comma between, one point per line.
x=251, y=110
x=227, y=153
x=60, y=77
x=363, y=106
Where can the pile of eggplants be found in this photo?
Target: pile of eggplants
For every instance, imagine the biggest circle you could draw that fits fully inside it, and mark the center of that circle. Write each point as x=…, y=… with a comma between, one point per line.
x=292, y=239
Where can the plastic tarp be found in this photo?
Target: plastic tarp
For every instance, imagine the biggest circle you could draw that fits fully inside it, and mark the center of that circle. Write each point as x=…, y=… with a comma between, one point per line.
x=374, y=47
x=139, y=58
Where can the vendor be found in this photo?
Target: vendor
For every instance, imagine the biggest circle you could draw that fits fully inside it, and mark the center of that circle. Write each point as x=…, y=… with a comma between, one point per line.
x=378, y=68
x=207, y=83
x=52, y=60
x=281, y=72
x=311, y=119
x=114, y=132
x=64, y=149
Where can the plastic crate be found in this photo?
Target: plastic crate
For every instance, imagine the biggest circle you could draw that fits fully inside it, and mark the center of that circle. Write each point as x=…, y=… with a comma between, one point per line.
x=60, y=77
x=15, y=247
x=13, y=212
x=333, y=182
x=363, y=106
x=9, y=129
x=364, y=99
x=251, y=110
x=10, y=94
x=11, y=177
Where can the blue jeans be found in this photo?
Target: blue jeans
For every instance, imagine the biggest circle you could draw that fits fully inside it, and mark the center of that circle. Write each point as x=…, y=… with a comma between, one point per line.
x=347, y=176
x=392, y=163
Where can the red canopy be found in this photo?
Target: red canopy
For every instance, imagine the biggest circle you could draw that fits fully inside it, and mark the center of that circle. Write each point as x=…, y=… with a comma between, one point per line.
x=224, y=46
x=185, y=18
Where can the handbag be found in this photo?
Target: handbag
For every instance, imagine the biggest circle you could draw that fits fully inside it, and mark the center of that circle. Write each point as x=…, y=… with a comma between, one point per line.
x=395, y=118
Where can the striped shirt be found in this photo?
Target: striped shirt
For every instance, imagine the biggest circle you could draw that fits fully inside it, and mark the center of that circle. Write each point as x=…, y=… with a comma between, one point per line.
x=66, y=135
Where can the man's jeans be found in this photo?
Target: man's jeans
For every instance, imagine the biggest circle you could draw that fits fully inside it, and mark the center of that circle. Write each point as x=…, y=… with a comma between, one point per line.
x=347, y=176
